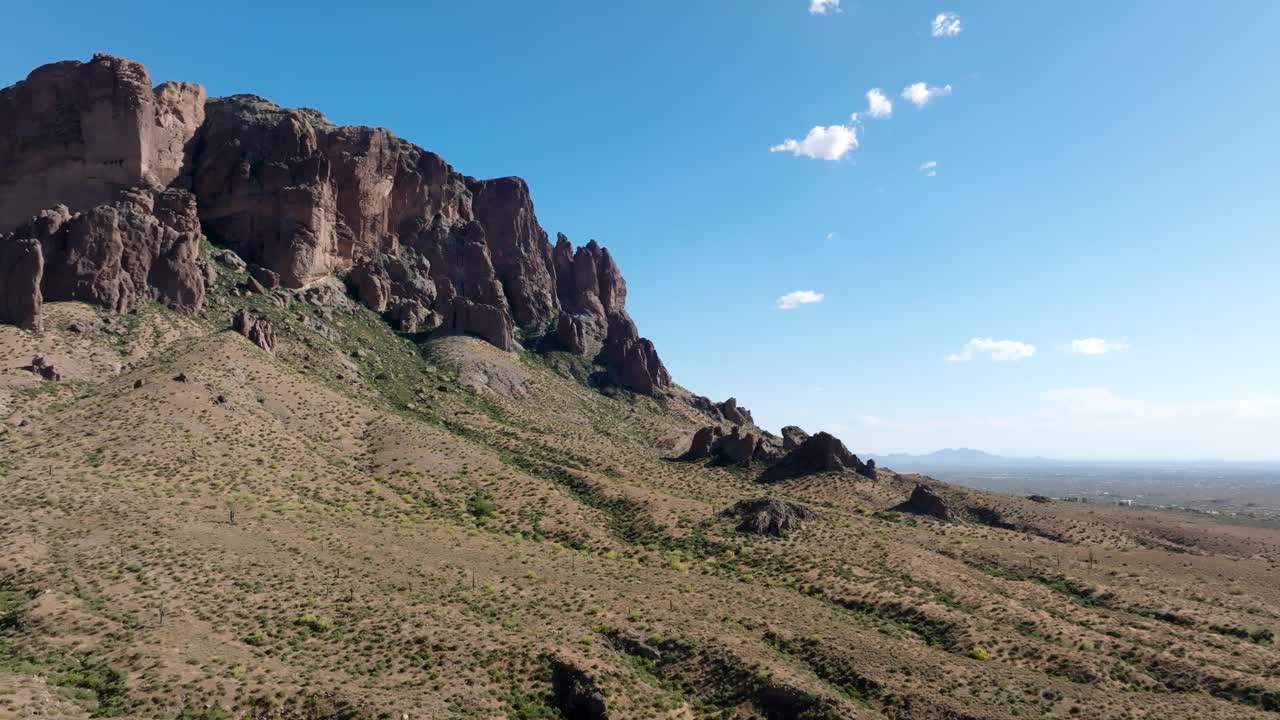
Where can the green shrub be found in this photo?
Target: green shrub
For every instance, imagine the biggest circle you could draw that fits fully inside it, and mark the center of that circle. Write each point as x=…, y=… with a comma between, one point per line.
x=480, y=506
x=315, y=622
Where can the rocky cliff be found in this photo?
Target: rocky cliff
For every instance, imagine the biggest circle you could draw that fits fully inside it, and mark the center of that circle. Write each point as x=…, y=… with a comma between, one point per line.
x=107, y=185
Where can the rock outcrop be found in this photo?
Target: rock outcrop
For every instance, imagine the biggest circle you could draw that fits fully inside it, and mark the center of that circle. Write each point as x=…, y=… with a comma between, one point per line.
x=739, y=446
x=793, y=437
x=256, y=328
x=820, y=453
x=771, y=516
x=298, y=200
x=77, y=133
x=45, y=368
x=734, y=414
x=729, y=411
x=576, y=692
x=21, y=270
x=145, y=246
x=925, y=501
x=736, y=448
x=704, y=439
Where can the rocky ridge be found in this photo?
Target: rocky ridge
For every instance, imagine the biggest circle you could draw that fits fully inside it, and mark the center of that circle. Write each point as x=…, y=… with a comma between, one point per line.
x=107, y=185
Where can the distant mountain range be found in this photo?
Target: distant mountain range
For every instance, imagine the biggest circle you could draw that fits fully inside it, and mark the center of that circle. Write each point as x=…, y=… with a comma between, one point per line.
x=969, y=457
x=951, y=456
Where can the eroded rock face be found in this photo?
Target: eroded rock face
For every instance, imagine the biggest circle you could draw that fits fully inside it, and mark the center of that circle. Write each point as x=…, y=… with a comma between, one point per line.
x=771, y=516
x=571, y=334
x=634, y=358
x=21, y=270
x=144, y=246
x=519, y=248
x=298, y=200
x=78, y=133
x=576, y=692
x=256, y=328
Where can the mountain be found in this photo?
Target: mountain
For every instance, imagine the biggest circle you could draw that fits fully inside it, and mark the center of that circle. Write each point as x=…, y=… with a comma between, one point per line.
x=946, y=455
x=297, y=421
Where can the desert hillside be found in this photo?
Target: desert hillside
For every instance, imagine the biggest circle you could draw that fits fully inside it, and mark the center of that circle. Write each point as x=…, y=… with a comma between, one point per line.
x=299, y=422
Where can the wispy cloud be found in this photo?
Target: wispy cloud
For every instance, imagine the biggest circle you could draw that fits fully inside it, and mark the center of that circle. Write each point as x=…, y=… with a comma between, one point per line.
x=822, y=143
x=822, y=7
x=831, y=236
x=878, y=104
x=930, y=168
x=1100, y=403
x=921, y=94
x=793, y=300
x=945, y=24
x=1097, y=346
x=999, y=350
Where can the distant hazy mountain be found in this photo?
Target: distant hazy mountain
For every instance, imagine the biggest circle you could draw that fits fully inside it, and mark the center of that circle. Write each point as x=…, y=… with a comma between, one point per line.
x=950, y=456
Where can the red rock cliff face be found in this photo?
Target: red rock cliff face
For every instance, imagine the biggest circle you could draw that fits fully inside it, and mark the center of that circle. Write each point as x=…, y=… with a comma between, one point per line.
x=78, y=133
x=289, y=192
x=145, y=246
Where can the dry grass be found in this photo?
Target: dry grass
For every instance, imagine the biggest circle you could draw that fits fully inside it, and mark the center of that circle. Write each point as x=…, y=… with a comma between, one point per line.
x=419, y=529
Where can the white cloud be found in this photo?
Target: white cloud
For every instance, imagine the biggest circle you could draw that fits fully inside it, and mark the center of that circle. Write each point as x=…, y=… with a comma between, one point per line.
x=1101, y=403
x=946, y=24
x=999, y=350
x=930, y=168
x=822, y=143
x=793, y=300
x=831, y=236
x=921, y=94
x=1258, y=407
x=878, y=105
x=1097, y=346
x=822, y=7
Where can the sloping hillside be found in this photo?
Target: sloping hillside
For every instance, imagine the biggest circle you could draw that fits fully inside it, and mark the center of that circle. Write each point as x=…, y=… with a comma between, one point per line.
x=358, y=525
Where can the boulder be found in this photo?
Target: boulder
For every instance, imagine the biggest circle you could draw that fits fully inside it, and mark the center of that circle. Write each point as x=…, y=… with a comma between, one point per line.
x=256, y=328
x=412, y=316
x=925, y=500
x=771, y=516
x=231, y=260
x=266, y=279
x=45, y=368
x=793, y=437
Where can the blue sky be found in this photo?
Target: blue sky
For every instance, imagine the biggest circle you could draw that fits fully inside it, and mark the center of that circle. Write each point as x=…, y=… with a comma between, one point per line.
x=1103, y=171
